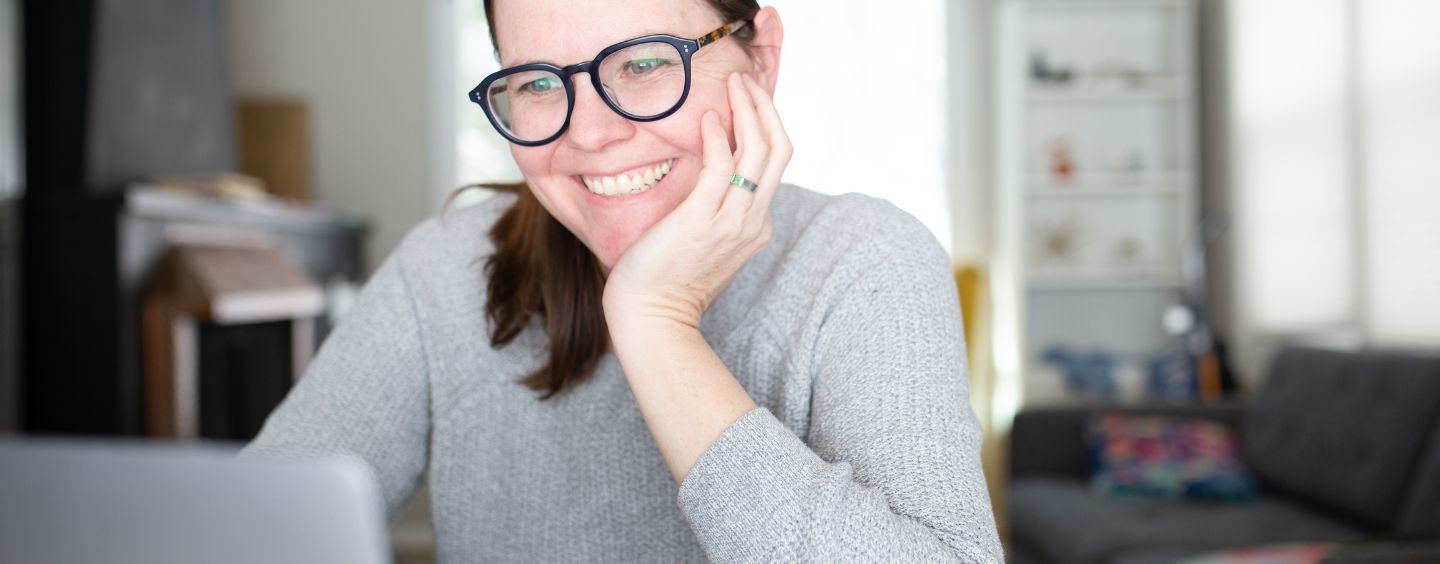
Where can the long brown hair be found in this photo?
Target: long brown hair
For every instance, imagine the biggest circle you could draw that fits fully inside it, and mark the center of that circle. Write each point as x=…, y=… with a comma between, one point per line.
x=540, y=268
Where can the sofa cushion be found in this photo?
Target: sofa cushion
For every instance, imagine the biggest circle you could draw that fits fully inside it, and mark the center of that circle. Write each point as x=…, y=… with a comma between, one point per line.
x=1344, y=430
x=1166, y=457
x=1061, y=521
x=1420, y=517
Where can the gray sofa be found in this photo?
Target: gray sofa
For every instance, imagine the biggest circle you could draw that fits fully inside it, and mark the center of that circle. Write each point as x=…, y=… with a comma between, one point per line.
x=1346, y=447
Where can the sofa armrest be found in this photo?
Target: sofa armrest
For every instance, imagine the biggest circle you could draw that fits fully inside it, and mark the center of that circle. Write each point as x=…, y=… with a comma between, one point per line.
x=1050, y=441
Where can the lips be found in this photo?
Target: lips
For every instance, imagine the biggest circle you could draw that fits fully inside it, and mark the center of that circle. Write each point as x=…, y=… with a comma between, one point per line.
x=631, y=183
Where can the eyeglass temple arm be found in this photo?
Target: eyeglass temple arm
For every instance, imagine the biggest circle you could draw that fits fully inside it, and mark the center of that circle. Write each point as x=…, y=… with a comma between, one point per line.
x=724, y=30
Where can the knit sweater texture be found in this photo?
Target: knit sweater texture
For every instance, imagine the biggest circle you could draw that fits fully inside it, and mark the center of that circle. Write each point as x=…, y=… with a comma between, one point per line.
x=845, y=330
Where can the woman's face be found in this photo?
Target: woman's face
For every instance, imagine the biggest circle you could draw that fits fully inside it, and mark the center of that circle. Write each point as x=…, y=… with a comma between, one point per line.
x=600, y=143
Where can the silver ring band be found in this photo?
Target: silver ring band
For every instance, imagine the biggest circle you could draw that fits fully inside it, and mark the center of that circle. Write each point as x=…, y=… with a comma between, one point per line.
x=741, y=181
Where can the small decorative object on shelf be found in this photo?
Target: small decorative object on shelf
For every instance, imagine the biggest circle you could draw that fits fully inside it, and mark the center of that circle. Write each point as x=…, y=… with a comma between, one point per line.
x=1129, y=166
x=1060, y=241
x=1172, y=377
x=1128, y=250
x=1062, y=162
x=1088, y=375
x=1118, y=75
x=1043, y=73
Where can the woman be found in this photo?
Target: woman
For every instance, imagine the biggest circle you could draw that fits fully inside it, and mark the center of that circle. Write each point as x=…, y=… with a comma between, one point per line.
x=654, y=351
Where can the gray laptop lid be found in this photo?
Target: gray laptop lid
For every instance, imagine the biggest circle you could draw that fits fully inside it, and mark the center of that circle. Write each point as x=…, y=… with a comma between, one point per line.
x=74, y=502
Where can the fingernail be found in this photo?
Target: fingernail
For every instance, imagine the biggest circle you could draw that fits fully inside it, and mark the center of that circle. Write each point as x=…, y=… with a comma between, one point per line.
x=712, y=117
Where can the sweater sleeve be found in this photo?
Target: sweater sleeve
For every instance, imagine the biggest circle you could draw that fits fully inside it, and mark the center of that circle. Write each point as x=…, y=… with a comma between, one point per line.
x=890, y=469
x=365, y=394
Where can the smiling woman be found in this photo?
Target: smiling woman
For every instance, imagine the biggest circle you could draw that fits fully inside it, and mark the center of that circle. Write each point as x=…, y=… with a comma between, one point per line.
x=652, y=349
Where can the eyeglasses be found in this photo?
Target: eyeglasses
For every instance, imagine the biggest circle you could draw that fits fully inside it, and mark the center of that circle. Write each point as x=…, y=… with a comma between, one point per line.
x=643, y=79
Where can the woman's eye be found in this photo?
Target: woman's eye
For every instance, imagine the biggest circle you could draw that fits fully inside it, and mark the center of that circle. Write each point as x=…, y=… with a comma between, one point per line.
x=642, y=67
x=540, y=85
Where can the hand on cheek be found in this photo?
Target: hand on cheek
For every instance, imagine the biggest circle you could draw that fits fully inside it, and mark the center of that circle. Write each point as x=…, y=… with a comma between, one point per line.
x=682, y=264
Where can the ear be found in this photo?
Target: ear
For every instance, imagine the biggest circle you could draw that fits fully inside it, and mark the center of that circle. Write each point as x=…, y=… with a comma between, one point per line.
x=765, y=50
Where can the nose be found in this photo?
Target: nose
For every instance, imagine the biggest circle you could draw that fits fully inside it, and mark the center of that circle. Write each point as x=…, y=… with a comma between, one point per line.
x=593, y=125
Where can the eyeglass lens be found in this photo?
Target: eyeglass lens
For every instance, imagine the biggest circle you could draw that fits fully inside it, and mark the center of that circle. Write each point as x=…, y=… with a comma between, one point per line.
x=644, y=80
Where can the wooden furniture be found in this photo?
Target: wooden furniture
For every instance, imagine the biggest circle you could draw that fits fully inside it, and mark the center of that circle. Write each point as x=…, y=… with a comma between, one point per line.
x=222, y=285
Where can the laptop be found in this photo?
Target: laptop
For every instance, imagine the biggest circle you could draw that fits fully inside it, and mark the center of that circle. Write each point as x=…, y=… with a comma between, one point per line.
x=113, y=502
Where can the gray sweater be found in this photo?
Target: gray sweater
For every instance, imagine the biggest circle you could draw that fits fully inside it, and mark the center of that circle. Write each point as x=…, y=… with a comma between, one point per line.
x=845, y=331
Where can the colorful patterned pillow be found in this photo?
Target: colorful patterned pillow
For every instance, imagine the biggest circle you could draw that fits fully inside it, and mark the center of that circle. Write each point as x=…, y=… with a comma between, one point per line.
x=1165, y=457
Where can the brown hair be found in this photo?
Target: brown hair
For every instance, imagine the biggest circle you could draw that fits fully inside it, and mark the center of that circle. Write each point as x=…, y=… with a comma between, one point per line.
x=540, y=268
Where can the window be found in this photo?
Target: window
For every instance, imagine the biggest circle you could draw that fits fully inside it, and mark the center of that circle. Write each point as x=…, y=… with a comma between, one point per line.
x=1399, y=73
x=1335, y=125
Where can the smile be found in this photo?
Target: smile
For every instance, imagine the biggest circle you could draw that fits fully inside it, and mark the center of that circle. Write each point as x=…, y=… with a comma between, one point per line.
x=633, y=183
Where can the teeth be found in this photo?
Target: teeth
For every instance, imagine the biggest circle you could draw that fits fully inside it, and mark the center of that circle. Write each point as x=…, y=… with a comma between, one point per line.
x=628, y=183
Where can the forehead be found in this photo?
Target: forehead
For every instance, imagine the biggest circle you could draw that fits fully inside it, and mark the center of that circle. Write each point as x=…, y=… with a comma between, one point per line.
x=569, y=31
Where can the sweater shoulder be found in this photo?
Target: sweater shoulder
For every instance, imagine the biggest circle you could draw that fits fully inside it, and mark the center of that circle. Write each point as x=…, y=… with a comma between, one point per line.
x=454, y=235
x=851, y=229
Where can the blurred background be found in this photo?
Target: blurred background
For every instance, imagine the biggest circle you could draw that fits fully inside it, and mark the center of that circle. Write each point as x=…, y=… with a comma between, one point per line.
x=1146, y=201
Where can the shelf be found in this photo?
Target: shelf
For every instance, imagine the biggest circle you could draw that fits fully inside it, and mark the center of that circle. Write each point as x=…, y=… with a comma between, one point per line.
x=1092, y=192
x=1117, y=181
x=1052, y=95
x=1120, y=278
x=1135, y=86
x=1079, y=5
x=1108, y=91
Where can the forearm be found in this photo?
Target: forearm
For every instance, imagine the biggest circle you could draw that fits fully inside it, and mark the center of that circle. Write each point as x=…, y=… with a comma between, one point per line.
x=686, y=394
x=761, y=495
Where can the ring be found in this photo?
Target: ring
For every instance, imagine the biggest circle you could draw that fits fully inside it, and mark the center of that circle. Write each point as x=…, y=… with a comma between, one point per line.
x=741, y=181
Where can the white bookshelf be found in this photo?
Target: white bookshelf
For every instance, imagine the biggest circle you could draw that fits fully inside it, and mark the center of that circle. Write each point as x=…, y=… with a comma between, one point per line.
x=1098, y=185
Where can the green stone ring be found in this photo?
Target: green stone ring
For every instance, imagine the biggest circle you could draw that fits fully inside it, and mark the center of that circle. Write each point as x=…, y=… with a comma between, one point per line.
x=741, y=181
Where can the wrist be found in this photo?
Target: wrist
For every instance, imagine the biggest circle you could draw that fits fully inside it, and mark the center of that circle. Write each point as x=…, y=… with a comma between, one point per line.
x=646, y=313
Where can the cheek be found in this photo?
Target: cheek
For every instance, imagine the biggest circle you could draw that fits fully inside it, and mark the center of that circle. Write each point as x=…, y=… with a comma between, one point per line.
x=532, y=161
x=686, y=126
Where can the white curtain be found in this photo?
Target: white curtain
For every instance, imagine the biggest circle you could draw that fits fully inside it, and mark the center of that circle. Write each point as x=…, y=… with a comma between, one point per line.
x=1334, y=181
x=1399, y=63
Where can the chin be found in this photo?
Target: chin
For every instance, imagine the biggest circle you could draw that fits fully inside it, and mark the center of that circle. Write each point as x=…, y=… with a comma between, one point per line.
x=611, y=244
x=617, y=222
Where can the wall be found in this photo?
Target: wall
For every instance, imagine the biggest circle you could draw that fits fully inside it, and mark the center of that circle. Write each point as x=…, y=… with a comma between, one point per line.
x=363, y=65
x=971, y=128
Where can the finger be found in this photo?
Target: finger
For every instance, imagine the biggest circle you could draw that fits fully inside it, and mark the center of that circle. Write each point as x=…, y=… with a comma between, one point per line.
x=712, y=184
x=780, y=151
x=751, y=147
